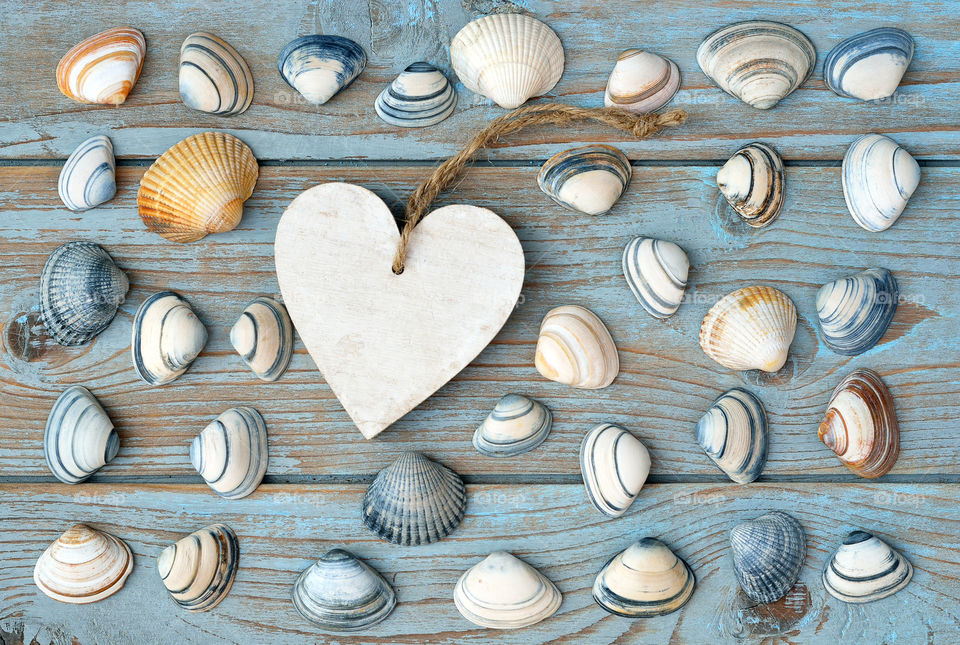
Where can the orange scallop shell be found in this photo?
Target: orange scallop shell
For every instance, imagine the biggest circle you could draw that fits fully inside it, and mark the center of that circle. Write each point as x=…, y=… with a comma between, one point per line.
x=103, y=68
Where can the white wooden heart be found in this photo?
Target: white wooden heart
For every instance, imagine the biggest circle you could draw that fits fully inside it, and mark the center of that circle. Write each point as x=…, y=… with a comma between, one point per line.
x=386, y=342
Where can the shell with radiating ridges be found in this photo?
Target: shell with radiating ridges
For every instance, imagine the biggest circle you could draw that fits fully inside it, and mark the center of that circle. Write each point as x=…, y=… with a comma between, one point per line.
x=733, y=433
x=214, y=78
x=83, y=565
x=768, y=554
x=750, y=329
x=504, y=592
x=575, y=348
x=878, y=178
x=104, y=67
x=89, y=176
x=231, y=452
x=588, y=180
x=641, y=82
x=167, y=337
x=319, y=66
x=647, y=579
x=263, y=336
x=853, y=313
x=656, y=272
x=752, y=183
x=420, y=96
x=869, y=66
x=198, y=570
x=614, y=465
x=79, y=438
x=516, y=425
x=864, y=568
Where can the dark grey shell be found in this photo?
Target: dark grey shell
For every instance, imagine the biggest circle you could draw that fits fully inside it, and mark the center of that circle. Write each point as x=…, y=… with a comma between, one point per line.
x=79, y=438
x=854, y=313
x=733, y=433
x=891, y=47
x=768, y=554
x=319, y=66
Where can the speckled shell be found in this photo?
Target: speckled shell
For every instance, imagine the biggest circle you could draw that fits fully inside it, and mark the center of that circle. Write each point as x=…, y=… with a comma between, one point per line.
x=516, y=425
x=80, y=290
x=861, y=425
x=588, y=180
x=167, y=337
x=869, y=66
x=647, y=579
x=734, y=435
x=419, y=97
x=656, y=272
x=614, y=465
x=854, y=313
x=504, y=592
x=79, y=438
x=231, y=452
x=878, y=179
x=83, y=565
x=768, y=554
x=88, y=177
x=641, y=82
x=507, y=57
x=752, y=183
x=320, y=66
x=197, y=187
x=263, y=336
x=414, y=501
x=758, y=61
x=864, y=568
x=104, y=67
x=199, y=569
x=750, y=329
x=576, y=349
x=214, y=78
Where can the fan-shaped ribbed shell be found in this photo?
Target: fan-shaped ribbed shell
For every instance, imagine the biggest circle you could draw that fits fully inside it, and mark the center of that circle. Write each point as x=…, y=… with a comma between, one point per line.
x=647, y=579
x=79, y=438
x=641, y=82
x=752, y=183
x=83, y=565
x=197, y=187
x=865, y=568
x=750, y=329
x=507, y=57
x=733, y=433
x=878, y=178
x=263, y=336
x=869, y=66
x=768, y=554
x=231, y=453
x=614, y=465
x=589, y=179
x=576, y=349
x=104, y=67
x=320, y=66
x=419, y=97
x=516, y=425
x=199, y=569
x=88, y=178
x=656, y=272
x=504, y=592
x=854, y=312
x=167, y=337
x=414, y=501
x=214, y=78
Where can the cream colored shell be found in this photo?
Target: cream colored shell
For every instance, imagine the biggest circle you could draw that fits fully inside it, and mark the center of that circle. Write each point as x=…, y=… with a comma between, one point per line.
x=576, y=349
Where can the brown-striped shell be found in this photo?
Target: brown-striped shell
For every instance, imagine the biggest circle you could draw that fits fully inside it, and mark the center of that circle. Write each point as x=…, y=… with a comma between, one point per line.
x=83, y=565
x=750, y=329
x=104, y=67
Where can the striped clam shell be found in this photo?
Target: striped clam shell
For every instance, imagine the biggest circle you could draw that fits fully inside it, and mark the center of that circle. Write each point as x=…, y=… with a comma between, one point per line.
x=768, y=554
x=647, y=579
x=79, y=438
x=656, y=272
x=734, y=435
x=757, y=61
x=515, y=426
x=341, y=593
x=414, y=501
x=614, y=465
x=263, y=336
x=864, y=568
x=320, y=66
x=878, y=178
x=504, y=592
x=752, y=183
x=576, y=349
x=198, y=570
x=861, y=425
x=869, y=66
x=588, y=180
x=214, y=78
x=420, y=96
x=104, y=67
x=641, y=82
x=167, y=337
x=231, y=452
x=83, y=565
x=81, y=289
x=855, y=312
x=88, y=177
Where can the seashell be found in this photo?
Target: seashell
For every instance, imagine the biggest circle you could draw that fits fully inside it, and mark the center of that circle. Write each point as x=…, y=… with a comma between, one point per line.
x=214, y=78
x=878, y=178
x=414, y=501
x=768, y=554
x=734, y=435
x=588, y=179
x=752, y=183
x=231, y=452
x=80, y=290
x=865, y=568
x=263, y=336
x=855, y=312
x=320, y=66
x=647, y=579
x=197, y=187
x=504, y=592
x=641, y=82
x=167, y=337
x=88, y=178
x=576, y=349
x=656, y=272
x=614, y=465
x=507, y=57
x=419, y=97
x=757, y=61
x=750, y=329
x=198, y=570
x=515, y=426
x=83, y=565
x=341, y=593
x=861, y=425
x=79, y=438
x=869, y=66
x=104, y=67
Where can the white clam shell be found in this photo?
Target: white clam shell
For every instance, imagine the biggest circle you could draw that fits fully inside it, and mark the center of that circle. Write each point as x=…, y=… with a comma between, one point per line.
x=647, y=579
x=167, y=337
x=319, y=66
x=231, y=452
x=515, y=426
x=263, y=336
x=750, y=329
x=864, y=568
x=614, y=465
x=752, y=183
x=641, y=82
x=870, y=65
x=733, y=433
x=656, y=272
x=576, y=349
x=83, y=565
x=504, y=592
x=88, y=177
x=214, y=78
x=198, y=570
x=878, y=179
x=79, y=438
x=589, y=179
x=420, y=96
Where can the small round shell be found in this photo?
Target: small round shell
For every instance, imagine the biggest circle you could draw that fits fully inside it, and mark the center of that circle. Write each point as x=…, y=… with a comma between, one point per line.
x=263, y=336
x=752, y=183
x=167, y=337
x=864, y=568
x=576, y=349
x=199, y=569
x=83, y=565
x=647, y=579
x=79, y=438
x=504, y=592
x=320, y=66
x=656, y=272
x=214, y=78
x=88, y=178
x=515, y=426
x=641, y=82
x=854, y=313
x=750, y=329
x=104, y=67
x=768, y=554
x=419, y=97
x=734, y=435
x=588, y=180
x=614, y=465
x=231, y=453
x=878, y=178
x=869, y=66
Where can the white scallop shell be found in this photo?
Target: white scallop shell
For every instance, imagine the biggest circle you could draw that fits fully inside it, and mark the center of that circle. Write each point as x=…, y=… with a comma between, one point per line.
x=865, y=568
x=88, y=178
x=214, y=78
x=167, y=337
x=750, y=329
x=614, y=465
x=419, y=97
x=656, y=272
x=641, y=82
x=752, y=183
x=83, y=565
x=198, y=570
x=869, y=66
x=576, y=349
x=516, y=425
x=231, y=453
x=504, y=592
x=733, y=433
x=263, y=336
x=79, y=438
x=878, y=178
x=647, y=579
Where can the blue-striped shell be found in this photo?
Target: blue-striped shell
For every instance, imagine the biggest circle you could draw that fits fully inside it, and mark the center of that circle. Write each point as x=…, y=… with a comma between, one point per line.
x=647, y=579
x=198, y=570
x=79, y=438
x=167, y=338
x=88, y=178
x=516, y=425
x=855, y=312
x=869, y=66
x=589, y=179
x=878, y=178
x=263, y=336
x=865, y=568
x=320, y=66
x=768, y=554
x=231, y=453
x=656, y=272
x=214, y=78
x=419, y=97
x=614, y=465
x=733, y=433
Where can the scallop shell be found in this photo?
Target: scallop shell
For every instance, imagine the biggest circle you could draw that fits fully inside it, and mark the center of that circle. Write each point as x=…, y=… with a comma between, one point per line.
x=104, y=67
x=768, y=554
x=167, y=337
x=641, y=82
x=515, y=426
x=83, y=565
x=197, y=187
x=757, y=61
x=504, y=592
x=576, y=349
x=752, y=183
x=656, y=272
x=214, y=78
x=419, y=97
x=231, y=452
x=507, y=57
x=199, y=569
x=88, y=178
x=734, y=435
x=865, y=568
x=750, y=329
x=80, y=290
x=869, y=66
x=263, y=336
x=861, y=425
x=647, y=579
x=855, y=312
x=587, y=180
x=878, y=179
x=414, y=501
x=79, y=438
x=614, y=465
x=320, y=66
